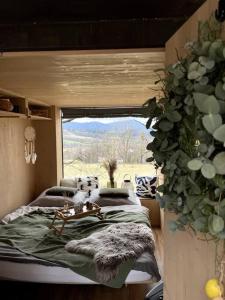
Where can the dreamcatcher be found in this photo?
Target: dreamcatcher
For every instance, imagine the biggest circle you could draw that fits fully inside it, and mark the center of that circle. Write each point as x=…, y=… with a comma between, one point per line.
x=30, y=135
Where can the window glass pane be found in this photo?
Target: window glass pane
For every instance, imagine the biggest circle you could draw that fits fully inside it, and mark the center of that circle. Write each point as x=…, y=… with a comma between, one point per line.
x=87, y=142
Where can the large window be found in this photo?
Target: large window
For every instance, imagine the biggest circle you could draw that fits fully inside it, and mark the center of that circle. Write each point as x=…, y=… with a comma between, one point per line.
x=87, y=142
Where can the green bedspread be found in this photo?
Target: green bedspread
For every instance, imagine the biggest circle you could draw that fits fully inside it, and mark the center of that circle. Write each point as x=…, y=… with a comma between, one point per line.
x=31, y=235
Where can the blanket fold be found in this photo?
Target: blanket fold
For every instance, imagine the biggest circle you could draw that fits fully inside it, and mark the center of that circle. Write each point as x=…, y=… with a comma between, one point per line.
x=114, y=245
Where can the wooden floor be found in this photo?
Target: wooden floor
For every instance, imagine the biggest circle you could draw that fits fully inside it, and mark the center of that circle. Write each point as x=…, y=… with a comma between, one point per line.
x=25, y=291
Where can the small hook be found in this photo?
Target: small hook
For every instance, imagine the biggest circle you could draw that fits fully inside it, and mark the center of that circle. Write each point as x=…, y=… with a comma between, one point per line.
x=220, y=12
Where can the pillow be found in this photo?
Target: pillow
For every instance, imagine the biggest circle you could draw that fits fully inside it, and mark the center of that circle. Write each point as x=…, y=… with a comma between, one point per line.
x=87, y=183
x=111, y=201
x=114, y=192
x=55, y=201
x=107, y=201
x=58, y=201
x=61, y=191
x=146, y=186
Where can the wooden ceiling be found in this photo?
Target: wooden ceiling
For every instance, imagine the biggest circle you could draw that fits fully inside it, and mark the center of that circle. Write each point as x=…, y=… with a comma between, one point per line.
x=73, y=78
x=89, y=78
x=85, y=10
x=28, y=25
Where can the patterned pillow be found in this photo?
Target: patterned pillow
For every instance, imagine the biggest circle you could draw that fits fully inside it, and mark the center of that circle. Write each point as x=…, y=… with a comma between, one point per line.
x=146, y=186
x=87, y=183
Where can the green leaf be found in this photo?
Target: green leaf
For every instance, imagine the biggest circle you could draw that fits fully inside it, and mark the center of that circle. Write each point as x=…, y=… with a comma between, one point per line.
x=219, y=134
x=219, y=181
x=210, y=151
x=193, y=201
x=174, y=116
x=195, y=164
x=178, y=73
x=195, y=189
x=217, y=192
x=211, y=122
x=206, y=104
x=216, y=223
x=219, y=91
x=214, y=49
x=196, y=213
x=207, y=210
x=203, y=148
x=210, y=202
x=188, y=100
x=204, y=80
x=204, y=89
x=201, y=224
x=195, y=71
x=219, y=163
x=207, y=62
x=160, y=188
x=164, y=144
x=208, y=170
x=173, y=146
x=222, y=106
x=165, y=125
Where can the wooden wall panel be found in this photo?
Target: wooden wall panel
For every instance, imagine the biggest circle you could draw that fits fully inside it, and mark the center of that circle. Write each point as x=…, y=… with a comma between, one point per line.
x=16, y=177
x=20, y=183
x=49, y=151
x=189, y=31
x=188, y=262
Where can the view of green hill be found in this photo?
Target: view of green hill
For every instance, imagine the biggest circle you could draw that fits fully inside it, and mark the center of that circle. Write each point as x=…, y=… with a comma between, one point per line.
x=87, y=144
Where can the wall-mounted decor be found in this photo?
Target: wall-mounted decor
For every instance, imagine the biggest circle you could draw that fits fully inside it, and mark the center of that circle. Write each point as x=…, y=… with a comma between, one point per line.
x=30, y=136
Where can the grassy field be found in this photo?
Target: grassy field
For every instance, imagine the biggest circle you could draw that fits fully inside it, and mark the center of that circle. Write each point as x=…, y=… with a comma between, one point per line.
x=82, y=169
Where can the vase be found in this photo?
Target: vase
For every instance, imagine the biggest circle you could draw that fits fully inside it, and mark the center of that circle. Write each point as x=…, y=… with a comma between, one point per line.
x=110, y=185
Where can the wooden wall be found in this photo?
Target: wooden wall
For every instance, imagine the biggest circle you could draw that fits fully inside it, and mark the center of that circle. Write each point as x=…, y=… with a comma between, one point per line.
x=189, y=31
x=20, y=183
x=16, y=177
x=188, y=261
x=49, y=150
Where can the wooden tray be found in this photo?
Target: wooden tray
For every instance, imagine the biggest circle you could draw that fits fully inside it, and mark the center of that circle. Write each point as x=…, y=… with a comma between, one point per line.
x=67, y=215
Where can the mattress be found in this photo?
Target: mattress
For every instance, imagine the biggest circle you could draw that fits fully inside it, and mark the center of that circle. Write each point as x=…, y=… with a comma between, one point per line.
x=57, y=275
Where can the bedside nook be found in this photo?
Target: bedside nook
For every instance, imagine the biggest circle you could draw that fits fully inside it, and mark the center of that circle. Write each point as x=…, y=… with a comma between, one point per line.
x=154, y=210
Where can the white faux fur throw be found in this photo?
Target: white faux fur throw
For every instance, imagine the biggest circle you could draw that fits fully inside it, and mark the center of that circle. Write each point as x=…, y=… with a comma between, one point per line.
x=113, y=246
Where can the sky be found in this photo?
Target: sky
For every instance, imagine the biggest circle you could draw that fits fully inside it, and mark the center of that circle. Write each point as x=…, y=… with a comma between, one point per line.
x=109, y=120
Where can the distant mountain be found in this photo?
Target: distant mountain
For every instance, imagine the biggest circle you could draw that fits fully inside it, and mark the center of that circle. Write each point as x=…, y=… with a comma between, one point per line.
x=89, y=128
x=85, y=127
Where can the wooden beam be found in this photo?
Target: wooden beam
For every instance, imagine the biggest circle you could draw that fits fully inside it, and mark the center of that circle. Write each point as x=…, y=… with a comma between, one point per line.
x=105, y=34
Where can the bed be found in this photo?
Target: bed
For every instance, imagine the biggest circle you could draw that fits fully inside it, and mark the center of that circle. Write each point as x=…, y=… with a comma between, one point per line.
x=31, y=266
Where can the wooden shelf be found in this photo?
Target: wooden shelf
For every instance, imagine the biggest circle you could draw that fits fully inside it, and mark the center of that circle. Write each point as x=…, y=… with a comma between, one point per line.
x=38, y=112
x=25, y=108
x=10, y=114
x=39, y=118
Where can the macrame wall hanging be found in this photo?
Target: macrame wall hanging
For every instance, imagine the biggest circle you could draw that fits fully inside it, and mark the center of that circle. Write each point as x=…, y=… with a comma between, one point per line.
x=30, y=136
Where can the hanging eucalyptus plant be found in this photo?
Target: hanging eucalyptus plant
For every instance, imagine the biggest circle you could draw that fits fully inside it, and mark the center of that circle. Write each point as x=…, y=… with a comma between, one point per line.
x=188, y=126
